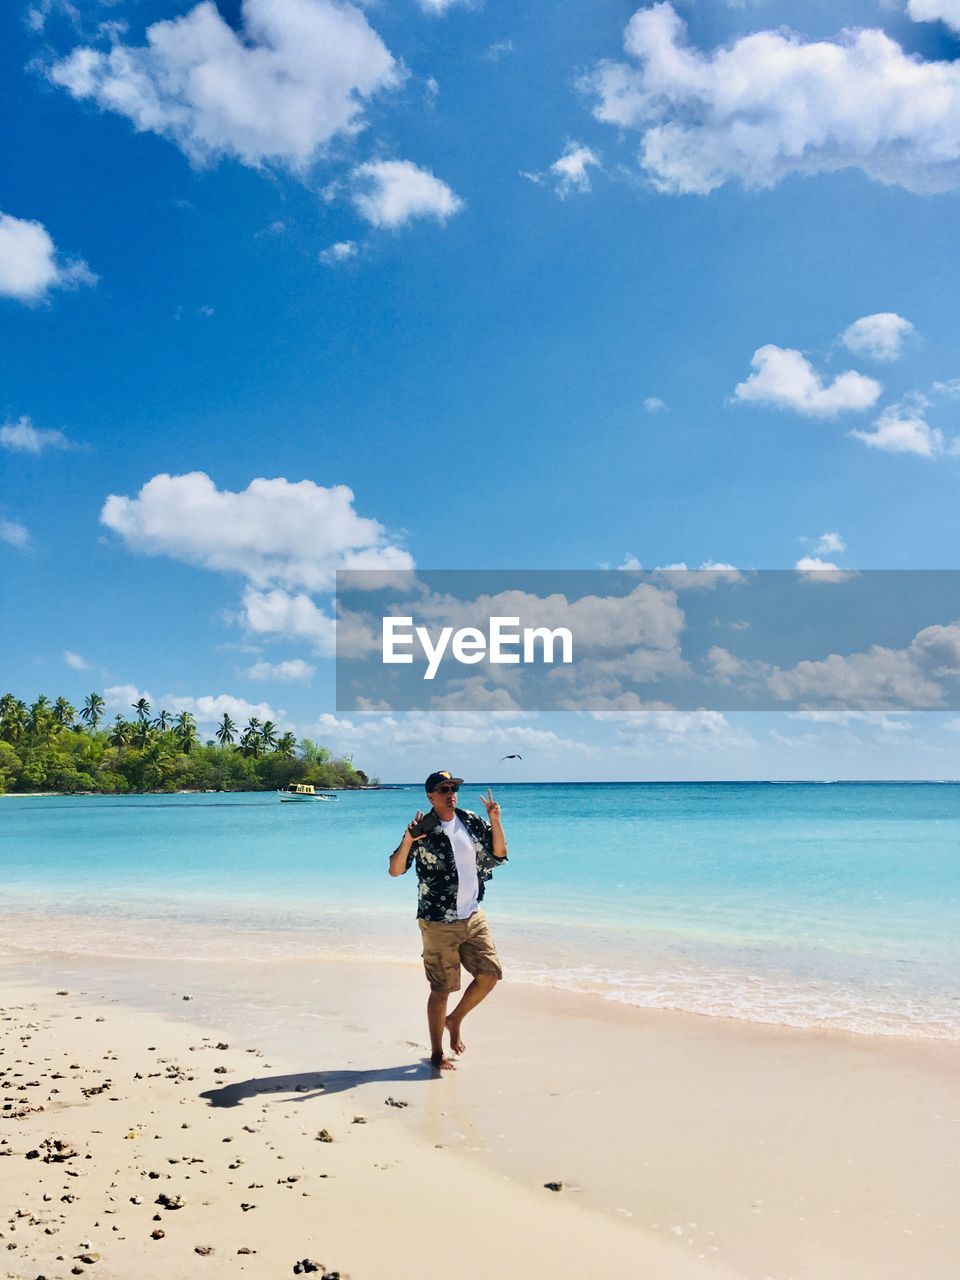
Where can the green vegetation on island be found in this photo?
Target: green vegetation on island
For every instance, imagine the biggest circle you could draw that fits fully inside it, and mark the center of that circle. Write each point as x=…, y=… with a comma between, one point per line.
x=49, y=746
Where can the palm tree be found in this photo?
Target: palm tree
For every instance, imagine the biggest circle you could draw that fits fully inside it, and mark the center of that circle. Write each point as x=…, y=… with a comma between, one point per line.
x=120, y=733
x=185, y=727
x=142, y=708
x=163, y=720
x=9, y=717
x=250, y=743
x=63, y=713
x=226, y=730
x=268, y=734
x=143, y=734
x=92, y=710
x=40, y=719
x=286, y=744
x=17, y=720
x=159, y=760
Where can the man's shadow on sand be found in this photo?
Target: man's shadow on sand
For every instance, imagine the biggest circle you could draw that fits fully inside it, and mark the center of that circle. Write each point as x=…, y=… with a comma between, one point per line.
x=315, y=1084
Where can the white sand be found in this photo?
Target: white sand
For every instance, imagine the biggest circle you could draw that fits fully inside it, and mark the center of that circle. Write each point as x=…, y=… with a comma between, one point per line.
x=687, y=1146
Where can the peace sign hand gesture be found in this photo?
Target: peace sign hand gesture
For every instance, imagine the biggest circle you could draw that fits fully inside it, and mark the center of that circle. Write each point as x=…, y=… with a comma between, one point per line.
x=492, y=806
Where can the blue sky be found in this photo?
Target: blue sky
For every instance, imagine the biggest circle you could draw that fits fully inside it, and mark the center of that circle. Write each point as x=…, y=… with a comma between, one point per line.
x=535, y=298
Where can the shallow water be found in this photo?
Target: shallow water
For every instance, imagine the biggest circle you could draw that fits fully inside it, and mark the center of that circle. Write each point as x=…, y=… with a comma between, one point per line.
x=805, y=904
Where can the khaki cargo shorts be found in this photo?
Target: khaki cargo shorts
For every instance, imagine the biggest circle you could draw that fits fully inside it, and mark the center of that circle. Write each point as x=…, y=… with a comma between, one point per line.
x=463, y=942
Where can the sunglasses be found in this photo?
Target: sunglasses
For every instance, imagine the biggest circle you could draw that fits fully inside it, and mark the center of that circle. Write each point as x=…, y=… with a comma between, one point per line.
x=447, y=791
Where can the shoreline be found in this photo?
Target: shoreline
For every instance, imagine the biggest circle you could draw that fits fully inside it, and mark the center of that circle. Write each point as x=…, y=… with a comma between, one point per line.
x=749, y=1149
x=113, y=934
x=416, y=786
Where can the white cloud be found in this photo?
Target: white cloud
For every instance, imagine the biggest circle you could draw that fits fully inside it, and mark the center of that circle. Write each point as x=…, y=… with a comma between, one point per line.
x=880, y=336
x=439, y=6
x=122, y=697
x=630, y=563
x=292, y=669
x=390, y=193
x=572, y=170
x=653, y=404
x=14, y=533
x=785, y=379
x=207, y=709
x=568, y=174
x=29, y=265
x=773, y=103
x=889, y=722
x=291, y=615
x=817, y=570
x=639, y=725
x=902, y=428
x=855, y=685
x=294, y=78
x=274, y=532
x=947, y=11
x=76, y=661
x=340, y=251
x=646, y=616
x=829, y=544
x=461, y=729
x=710, y=574
x=494, y=52
x=875, y=678
x=23, y=437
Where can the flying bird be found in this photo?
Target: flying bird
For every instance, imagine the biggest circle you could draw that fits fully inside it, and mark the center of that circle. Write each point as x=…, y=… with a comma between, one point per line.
x=513, y=757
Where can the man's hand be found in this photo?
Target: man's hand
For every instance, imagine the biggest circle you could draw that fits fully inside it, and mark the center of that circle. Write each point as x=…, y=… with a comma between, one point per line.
x=411, y=825
x=498, y=844
x=398, y=859
x=492, y=806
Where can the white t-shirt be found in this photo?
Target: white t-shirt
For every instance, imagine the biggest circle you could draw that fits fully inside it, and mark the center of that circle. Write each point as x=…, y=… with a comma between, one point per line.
x=465, y=857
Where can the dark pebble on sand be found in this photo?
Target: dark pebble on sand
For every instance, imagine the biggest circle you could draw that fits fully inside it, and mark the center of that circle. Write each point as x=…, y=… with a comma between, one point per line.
x=553, y=1186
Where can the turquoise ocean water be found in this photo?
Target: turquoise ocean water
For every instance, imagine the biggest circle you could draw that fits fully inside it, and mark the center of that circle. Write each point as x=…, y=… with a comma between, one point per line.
x=833, y=905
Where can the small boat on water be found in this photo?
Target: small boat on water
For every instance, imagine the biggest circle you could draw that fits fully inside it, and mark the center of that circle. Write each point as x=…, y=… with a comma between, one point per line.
x=301, y=792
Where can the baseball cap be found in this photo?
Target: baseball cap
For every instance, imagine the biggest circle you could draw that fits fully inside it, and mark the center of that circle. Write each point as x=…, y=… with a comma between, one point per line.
x=441, y=776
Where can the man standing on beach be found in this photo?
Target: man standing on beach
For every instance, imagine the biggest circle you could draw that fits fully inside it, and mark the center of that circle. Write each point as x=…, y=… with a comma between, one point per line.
x=455, y=852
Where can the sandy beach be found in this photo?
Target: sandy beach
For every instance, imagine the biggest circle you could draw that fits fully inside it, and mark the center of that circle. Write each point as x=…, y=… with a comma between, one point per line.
x=284, y=1113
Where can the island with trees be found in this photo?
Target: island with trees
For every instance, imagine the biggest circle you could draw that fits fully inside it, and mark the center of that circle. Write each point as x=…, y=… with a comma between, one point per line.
x=51, y=747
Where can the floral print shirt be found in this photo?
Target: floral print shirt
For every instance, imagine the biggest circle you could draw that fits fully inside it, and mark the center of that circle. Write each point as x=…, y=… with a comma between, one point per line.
x=437, y=869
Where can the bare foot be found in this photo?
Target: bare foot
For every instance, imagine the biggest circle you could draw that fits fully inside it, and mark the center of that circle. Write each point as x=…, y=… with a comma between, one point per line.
x=456, y=1044
x=441, y=1063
